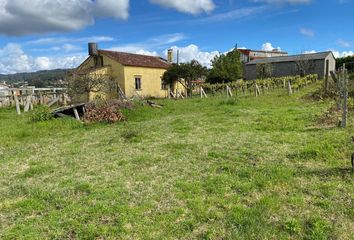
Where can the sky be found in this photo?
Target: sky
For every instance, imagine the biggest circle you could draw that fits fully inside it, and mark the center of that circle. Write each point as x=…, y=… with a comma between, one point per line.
x=50, y=34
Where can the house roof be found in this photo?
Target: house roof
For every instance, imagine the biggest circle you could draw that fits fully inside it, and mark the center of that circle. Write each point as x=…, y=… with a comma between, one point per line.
x=293, y=58
x=248, y=51
x=136, y=60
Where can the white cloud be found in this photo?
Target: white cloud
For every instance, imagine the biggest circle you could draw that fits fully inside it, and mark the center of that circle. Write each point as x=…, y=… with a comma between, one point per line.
x=131, y=48
x=23, y=17
x=234, y=14
x=338, y=54
x=307, y=32
x=309, y=52
x=14, y=60
x=144, y=52
x=59, y=40
x=67, y=48
x=193, y=52
x=343, y=43
x=284, y=1
x=42, y=63
x=188, y=6
x=112, y=8
x=268, y=47
x=150, y=46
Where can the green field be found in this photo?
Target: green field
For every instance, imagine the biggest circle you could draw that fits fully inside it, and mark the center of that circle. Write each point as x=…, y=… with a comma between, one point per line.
x=216, y=168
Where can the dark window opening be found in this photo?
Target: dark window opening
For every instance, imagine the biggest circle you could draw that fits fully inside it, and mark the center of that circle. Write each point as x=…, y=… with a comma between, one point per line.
x=137, y=83
x=99, y=61
x=164, y=85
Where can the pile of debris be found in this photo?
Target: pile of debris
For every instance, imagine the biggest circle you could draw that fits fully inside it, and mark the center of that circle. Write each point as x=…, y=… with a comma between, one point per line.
x=109, y=111
x=96, y=111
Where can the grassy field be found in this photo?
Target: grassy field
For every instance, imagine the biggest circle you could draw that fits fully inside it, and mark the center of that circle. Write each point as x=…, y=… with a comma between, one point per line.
x=244, y=168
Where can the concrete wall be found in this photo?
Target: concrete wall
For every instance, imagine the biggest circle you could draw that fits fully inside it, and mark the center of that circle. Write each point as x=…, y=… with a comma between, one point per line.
x=283, y=69
x=332, y=63
x=150, y=82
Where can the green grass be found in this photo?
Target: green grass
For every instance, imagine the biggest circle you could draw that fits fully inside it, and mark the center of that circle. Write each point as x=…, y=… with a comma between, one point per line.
x=217, y=168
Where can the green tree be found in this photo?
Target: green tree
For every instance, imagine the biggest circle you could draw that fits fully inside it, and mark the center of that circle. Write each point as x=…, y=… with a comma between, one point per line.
x=226, y=68
x=185, y=73
x=349, y=61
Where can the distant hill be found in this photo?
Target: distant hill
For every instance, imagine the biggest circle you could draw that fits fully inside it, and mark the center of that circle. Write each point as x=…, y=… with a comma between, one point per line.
x=45, y=78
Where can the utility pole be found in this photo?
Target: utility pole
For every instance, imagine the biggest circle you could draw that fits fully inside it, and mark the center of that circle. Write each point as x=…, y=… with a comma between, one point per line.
x=177, y=56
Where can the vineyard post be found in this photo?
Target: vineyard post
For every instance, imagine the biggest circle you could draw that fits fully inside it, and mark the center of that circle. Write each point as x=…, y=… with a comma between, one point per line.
x=327, y=75
x=339, y=88
x=255, y=88
x=18, y=108
x=345, y=97
x=290, y=91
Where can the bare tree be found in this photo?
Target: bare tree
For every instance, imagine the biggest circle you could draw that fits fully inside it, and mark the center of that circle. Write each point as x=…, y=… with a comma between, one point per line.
x=304, y=66
x=264, y=70
x=82, y=86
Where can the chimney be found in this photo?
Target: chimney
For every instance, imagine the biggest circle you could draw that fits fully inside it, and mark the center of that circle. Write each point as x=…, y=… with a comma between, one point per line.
x=170, y=55
x=93, y=49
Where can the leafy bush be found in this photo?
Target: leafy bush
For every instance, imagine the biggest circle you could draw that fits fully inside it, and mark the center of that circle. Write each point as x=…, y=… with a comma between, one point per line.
x=41, y=114
x=351, y=76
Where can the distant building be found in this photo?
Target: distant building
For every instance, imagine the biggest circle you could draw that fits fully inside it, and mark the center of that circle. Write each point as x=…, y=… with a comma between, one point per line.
x=248, y=55
x=315, y=63
x=4, y=90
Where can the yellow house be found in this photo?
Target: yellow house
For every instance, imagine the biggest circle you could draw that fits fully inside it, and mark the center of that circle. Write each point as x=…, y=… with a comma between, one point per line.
x=136, y=75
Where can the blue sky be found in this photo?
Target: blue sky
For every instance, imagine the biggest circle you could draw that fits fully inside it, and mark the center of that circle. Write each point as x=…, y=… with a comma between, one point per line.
x=48, y=34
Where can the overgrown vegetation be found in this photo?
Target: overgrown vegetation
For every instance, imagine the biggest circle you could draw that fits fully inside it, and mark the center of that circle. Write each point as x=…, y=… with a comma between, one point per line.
x=264, y=70
x=226, y=68
x=185, y=73
x=41, y=114
x=267, y=84
x=83, y=87
x=242, y=168
x=349, y=61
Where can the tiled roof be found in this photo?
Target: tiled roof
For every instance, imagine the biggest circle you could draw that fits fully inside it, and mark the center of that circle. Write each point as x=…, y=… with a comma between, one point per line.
x=136, y=60
x=312, y=56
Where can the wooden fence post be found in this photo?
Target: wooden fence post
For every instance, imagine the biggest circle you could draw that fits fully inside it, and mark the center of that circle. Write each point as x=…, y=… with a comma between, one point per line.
x=345, y=97
x=290, y=90
x=18, y=109
x=228, y=91
x=27, y=103
x=202, y=93
x=327, y=76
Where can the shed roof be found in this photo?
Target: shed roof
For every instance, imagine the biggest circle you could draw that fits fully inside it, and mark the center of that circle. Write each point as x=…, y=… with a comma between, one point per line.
x=248, y=51
x=293, y=58
x=136, y=60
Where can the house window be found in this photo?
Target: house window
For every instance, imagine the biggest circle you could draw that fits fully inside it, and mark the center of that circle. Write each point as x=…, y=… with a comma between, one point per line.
x=99, y=61
x=137, y=83
x=163, y=84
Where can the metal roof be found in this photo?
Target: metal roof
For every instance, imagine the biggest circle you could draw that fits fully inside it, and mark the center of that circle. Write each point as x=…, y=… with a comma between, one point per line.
x=248, y=51
x=293, y=58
